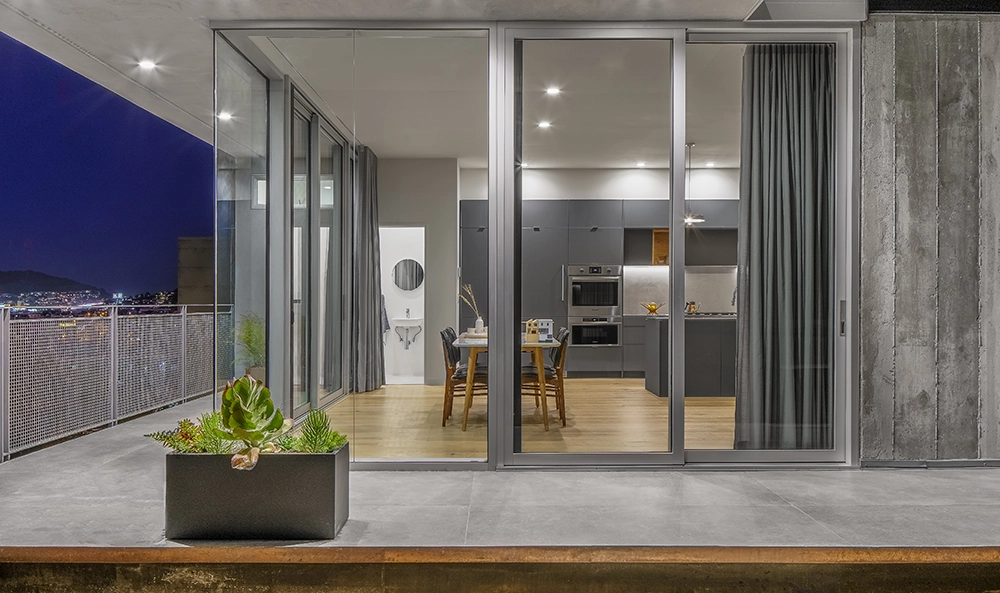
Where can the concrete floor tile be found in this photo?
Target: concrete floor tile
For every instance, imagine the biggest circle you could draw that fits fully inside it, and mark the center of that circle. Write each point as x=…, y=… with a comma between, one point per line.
x=397, y=525
x=445, y=488
x=912, y=525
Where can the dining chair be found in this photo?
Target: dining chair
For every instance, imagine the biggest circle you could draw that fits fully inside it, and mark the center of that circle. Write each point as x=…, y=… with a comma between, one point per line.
x=554, y=376
x=456, y=373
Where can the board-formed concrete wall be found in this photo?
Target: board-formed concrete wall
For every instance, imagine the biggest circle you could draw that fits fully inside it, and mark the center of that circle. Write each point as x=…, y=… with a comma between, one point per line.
x=930, y=238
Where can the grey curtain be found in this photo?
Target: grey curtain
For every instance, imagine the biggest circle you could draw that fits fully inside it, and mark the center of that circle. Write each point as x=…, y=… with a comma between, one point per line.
x=367, y=355
x=784, y=394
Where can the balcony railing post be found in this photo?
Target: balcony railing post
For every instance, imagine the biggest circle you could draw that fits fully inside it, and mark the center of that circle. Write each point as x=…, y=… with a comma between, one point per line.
x=4, y=383
x=114, y=363
x=184, y=369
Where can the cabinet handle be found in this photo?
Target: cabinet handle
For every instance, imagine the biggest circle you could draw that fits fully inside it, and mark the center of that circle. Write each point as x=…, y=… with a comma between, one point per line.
x=562, y=270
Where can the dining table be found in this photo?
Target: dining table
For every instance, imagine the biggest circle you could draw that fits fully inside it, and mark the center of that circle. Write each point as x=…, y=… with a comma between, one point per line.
x=477, y=344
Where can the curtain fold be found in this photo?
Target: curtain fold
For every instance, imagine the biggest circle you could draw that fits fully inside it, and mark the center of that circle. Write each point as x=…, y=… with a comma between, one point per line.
x=367, y=354
x=784, y=385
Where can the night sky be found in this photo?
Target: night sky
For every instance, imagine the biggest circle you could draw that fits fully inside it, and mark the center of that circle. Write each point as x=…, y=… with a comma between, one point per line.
x=92, y=187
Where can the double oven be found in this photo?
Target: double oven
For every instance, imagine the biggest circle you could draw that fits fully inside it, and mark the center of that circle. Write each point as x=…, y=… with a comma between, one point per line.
x=594, y=305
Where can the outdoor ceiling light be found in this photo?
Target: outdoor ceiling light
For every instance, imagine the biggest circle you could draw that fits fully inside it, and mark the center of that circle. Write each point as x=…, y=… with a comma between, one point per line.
x=709, y=165
x=147, y=64
x=544, y=124
x=225, y=116
x=552, y=91
x=327, y=187
x=640, y=164
x=692, y=218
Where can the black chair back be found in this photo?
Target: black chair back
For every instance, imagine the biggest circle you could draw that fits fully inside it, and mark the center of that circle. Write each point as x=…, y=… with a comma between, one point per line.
x=448, y=337
x=556, y=354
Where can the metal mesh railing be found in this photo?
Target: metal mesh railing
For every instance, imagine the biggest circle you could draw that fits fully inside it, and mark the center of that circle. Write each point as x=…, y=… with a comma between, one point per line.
x=65, y=375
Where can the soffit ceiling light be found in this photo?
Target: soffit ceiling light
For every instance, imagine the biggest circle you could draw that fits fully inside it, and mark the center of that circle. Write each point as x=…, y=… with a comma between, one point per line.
x=709, y=165
x=641, y=164
x=225, y=116
x=553, y=91
x=692, y=218
x=147, y=64
x=544, y=124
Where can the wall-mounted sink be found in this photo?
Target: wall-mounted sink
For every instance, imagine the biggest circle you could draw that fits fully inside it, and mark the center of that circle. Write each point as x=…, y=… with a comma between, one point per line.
x=403, y=327
x=407, y=321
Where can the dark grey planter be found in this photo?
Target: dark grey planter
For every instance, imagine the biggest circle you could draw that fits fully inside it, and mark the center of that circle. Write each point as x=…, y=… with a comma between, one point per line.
x=287, y=496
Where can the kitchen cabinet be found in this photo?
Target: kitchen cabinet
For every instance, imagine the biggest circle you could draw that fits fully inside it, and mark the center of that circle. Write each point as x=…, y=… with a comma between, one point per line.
x=473, y=213
x=633, y=345
x=599, y=245
x=591, y=213
x=542, y=213
x=711, y=247
x=719, y=214
x=543, y=272
x=474, y=244
x=646, y=214
x=593, y=361
x=638, y=247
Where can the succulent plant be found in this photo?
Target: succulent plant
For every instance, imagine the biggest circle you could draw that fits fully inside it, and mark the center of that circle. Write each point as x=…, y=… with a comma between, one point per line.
x=249, y=416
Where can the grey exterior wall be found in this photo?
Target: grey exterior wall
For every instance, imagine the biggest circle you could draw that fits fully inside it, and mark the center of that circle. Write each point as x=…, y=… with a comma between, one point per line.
x=930, y=238
x=424, y=192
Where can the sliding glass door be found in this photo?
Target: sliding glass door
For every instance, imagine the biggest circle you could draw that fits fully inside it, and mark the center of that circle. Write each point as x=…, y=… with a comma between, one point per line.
x=591, y=161
x=319, y=156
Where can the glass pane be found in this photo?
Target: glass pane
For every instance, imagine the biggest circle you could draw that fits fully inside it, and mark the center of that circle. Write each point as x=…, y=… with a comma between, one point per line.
x=758, y=249
x=592, y=177
x=241, y=186
x=329, y=323
x=300, y=261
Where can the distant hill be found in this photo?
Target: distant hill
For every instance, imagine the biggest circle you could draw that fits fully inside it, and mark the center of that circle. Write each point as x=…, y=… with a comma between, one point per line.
x=23, y=281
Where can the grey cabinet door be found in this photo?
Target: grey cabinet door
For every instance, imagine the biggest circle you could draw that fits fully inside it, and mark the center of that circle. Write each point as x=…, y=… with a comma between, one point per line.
x=646, y=214
x=554, y=213
x=701, y=357
x=727, y=357
x=633, y=358
x=473, y=213
x=596, y=246
x=591, y=213
x=582, y=361
x=474, y=262
x=719, y=214
x=543, y=272
x=710, y=247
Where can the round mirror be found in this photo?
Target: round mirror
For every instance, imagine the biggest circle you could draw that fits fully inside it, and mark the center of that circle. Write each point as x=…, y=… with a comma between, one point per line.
x=408, y=274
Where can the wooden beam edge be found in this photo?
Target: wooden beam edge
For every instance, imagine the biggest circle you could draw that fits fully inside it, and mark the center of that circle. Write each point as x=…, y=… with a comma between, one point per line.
x=221, y=554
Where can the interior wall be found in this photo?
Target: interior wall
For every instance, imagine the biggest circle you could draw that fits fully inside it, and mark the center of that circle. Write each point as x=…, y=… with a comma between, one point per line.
x=424, y=192
x=930, y=238
x=608, y=184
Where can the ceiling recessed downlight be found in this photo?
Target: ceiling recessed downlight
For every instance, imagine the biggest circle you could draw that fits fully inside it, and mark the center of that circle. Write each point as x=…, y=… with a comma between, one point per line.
x=147, y=64
x=225, y=116
x=552, y=91
x=544, y=124
x=327, y=187
x=641, y=164
x=709, y=165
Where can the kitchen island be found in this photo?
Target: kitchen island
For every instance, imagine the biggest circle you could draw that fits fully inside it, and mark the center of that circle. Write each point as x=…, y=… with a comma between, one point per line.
x=710, y=355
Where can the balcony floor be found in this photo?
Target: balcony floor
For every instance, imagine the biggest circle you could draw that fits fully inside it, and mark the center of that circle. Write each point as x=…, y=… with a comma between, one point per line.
x=106, y=489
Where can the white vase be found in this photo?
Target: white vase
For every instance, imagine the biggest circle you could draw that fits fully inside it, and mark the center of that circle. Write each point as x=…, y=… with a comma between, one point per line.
x=479, y=325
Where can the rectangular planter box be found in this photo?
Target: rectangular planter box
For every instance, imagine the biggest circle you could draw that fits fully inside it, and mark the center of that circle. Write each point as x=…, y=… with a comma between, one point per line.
x=286, y=496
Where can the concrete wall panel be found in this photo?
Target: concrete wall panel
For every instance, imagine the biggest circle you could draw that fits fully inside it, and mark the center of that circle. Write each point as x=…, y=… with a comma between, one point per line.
x=878, y=237
x=958, y=238
x=916, y=240
x=989, y=238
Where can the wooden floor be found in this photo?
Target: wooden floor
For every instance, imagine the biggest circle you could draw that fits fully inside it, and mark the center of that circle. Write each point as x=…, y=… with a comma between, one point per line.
x=603, y=416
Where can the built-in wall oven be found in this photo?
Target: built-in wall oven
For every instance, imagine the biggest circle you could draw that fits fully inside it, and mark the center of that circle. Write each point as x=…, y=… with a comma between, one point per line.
x=594, y=291
x=595, y=331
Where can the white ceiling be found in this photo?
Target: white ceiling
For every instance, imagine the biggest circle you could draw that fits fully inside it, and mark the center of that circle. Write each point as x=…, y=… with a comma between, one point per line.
x=413, y=97
x=104, y=39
